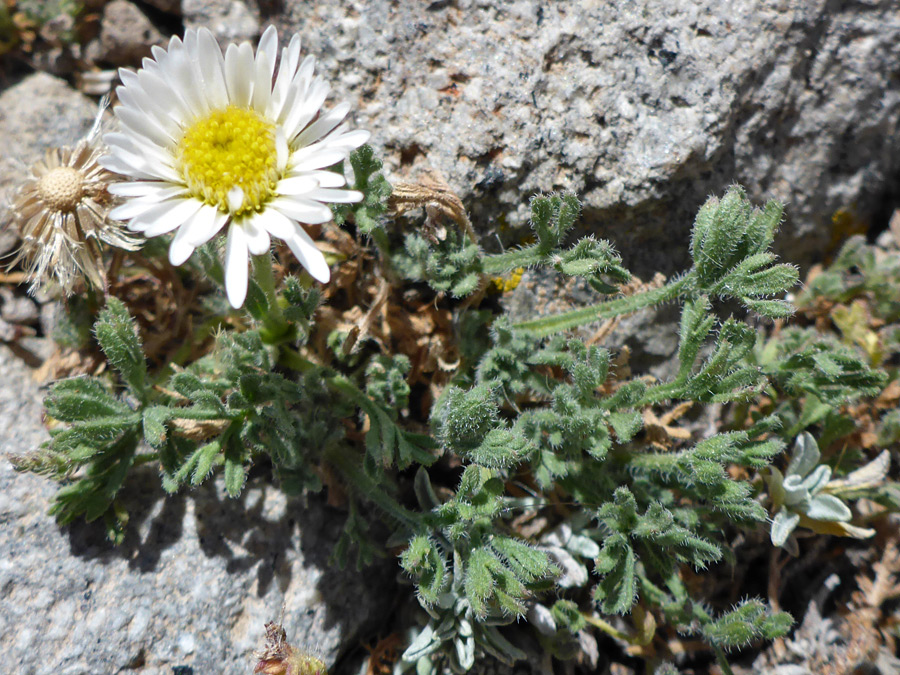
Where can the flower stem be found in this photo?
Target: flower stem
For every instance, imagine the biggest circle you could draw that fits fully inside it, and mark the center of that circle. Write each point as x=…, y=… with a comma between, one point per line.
x=275, y=326
x=607, y=628
x=510, y=260
x=557, y=323
x=383, y=244
x=291, y=358
x=350, y=466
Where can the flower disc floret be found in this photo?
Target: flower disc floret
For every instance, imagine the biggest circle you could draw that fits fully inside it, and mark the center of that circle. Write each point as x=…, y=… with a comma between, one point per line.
x=236, y=141
x=62, y=189
x=227, y=149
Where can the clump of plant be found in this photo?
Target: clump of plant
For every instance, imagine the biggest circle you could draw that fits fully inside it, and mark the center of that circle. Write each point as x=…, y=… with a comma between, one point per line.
x=549, y=501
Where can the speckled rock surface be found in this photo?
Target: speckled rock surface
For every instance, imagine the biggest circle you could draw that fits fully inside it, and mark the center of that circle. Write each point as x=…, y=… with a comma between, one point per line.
x=230, y=20
x=192, y=586
x=642, y=108
x=126, y=35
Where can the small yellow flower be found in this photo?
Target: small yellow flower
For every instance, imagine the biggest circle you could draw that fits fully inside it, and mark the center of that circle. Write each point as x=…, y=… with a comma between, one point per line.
x=61, y=216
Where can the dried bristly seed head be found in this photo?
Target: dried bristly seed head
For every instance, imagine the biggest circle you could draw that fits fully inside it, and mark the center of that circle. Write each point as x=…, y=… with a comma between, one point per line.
x=61, y=216
x=61, y=189
x=280, y=658
x=433, y=193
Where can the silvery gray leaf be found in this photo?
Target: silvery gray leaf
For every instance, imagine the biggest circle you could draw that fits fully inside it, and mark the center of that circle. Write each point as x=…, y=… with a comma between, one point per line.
x=541, y=618
x=424, y=644
x=583, y=546
x=815, y=481
x=805, y=456
x=782, y=526
x=826, y=507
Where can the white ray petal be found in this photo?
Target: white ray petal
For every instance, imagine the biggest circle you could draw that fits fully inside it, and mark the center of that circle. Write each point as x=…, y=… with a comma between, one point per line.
x=121, y=160
x=297, y=185
x=164, y=217
x=282, y=151
x=139, y=122
x=149, y=189
x=207, y=224
x=118, y=165
x=303, y=210
x=276, y=223
x=268, y=47
x=321, y=158
x=239, y=74
x=307, y=108
x=141, y=153
x=327, y=179
x=159, y=90
x=139, y=205
x=347, y=141
x=257, y=237
x=322, y=126
x=137, y=99
x=235, y=199
x=335, y=196
x=180, y=249
x=290, y=58
x=185, y=80
x=212, y=69
x=303, y=247
x=236, y=265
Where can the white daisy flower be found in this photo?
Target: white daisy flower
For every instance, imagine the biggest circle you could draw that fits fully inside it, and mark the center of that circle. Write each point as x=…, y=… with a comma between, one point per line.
x=212, y=141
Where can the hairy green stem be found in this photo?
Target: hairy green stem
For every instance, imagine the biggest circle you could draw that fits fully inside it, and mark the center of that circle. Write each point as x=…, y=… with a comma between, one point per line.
x=607, y=628
x=510, y=260
x=289, y=357
x=383, y=244
x=609, y=309
x=275, y=326
x=350, y=466
x=145, y=458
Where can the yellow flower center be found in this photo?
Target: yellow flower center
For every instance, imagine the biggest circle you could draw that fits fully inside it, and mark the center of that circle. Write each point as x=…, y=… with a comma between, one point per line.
x=61, y=189
x=230, y=148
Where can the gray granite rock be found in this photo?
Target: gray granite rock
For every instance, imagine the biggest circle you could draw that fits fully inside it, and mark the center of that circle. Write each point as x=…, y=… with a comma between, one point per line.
x=16, y=308
x=229, y=20
x=642, y=108
x=126, y=34
x=191, y=587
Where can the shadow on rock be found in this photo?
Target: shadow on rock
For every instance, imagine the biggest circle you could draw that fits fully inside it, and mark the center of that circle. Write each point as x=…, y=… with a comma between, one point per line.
x=262, y=535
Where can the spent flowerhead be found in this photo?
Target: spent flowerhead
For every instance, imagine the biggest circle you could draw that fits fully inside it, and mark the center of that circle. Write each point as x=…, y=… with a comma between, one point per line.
x=61, y=213
x=214, y=142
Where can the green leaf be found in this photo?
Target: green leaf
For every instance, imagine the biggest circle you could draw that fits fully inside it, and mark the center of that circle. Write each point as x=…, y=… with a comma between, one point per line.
x=616, y=592
x=235, y=474
x=154, y=421
x=117, y=334
x=479, y=580
x=97, y=432
x=626, y=424
x=776, y=625
x=375, y=188
x=423, y=560
x=774, y=309
x=526, y=562
x=501, y=448
x=82, y=398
